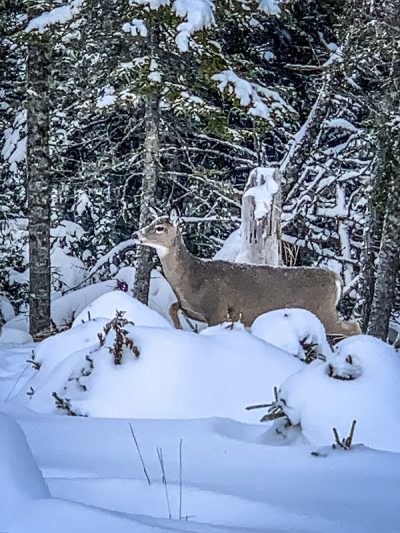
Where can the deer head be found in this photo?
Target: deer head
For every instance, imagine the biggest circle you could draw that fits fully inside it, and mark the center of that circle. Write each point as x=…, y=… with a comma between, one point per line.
x=160, y=234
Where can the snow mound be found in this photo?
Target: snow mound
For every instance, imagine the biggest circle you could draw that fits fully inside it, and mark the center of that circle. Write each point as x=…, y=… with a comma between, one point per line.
x=49, y=357
x=223, y=328
x=288, y=329
x=107, y=305
x=64, y=309
x=6, y=309
x=158, y=373
x=230, y=248
x=20, y=478
x=68, y=271
x=361, y=382
x=26, y=505
x=14, y=336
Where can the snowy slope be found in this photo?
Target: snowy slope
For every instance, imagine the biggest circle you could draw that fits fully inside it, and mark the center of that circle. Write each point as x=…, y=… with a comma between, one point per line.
x=230, y=480
x=175, y=449
x=178, y=374
x=320, y=401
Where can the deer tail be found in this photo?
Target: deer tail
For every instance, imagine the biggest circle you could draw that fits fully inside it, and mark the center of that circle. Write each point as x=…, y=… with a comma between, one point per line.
x=339, y=287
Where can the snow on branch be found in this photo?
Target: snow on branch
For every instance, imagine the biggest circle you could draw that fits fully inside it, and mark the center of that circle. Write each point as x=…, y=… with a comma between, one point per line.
x=198, y=15
x=106, y=258
x=340, y=123
x=14, y=147
x=271, y=7
x=108, y=97
x=257, y=99
x=135, y=27
x=58, y=15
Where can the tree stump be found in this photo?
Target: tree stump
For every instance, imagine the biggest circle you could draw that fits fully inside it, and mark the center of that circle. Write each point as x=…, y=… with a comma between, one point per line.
x=261, y=218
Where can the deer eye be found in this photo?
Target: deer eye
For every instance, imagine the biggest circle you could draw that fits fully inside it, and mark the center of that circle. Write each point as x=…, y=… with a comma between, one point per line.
x=159, y=229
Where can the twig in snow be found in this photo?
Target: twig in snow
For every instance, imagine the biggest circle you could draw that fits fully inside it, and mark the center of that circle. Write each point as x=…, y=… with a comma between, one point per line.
x=347, y=442
x=275, y=408
x=164, y=479
x=180, y=479
x=258, y=406
x=140, y=454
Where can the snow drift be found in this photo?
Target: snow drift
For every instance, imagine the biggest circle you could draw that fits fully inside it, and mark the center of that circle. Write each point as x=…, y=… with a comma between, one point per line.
x=361, y=382
x=116, y=369
x=108, y=304
x=290, y=329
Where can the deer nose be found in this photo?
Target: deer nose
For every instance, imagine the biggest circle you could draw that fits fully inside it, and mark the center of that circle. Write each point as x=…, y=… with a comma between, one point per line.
x=136, y=236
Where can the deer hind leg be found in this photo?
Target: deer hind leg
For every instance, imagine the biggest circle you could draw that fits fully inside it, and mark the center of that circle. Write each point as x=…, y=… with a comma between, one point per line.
x=342, y=328
x=173, y=313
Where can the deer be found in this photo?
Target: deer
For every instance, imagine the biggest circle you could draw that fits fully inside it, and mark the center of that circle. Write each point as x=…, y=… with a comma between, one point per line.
x=214, y=291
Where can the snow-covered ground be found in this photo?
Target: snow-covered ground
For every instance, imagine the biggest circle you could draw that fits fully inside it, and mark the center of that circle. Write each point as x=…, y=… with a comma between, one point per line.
x=169, y=446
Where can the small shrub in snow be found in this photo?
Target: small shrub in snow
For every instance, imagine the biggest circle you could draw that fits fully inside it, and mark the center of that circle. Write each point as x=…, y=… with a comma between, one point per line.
x=116, y=341
x=361, y=381
x=64, y=404
x=274, y=409
x=120, y=339
x=339, y=444
x=344, y=368
x=35, y=364
x=346, y=442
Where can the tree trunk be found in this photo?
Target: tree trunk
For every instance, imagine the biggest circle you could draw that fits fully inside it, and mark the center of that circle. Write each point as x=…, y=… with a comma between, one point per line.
x=38, y=185
x=303, y=141
x=388, y=259
x=261, y=237
x=144, y=262
x=377, y=200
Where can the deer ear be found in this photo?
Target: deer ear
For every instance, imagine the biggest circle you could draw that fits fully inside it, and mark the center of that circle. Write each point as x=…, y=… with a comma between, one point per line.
x=174, y=216
x=153, y=212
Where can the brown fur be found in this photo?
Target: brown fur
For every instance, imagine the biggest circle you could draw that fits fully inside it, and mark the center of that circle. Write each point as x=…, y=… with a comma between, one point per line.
x=216, y=291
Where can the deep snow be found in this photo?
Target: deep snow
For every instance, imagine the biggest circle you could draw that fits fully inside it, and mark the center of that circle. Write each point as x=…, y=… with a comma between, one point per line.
x=189, y=391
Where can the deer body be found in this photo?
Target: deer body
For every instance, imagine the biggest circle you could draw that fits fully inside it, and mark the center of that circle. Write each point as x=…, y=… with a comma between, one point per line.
x=216, y=291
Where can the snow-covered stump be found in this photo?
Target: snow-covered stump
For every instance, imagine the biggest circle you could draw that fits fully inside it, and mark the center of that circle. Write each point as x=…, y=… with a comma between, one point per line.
x=261, y=218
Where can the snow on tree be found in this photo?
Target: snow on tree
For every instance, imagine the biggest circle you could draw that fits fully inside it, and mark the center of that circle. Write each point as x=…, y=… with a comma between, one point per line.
x=238, y=88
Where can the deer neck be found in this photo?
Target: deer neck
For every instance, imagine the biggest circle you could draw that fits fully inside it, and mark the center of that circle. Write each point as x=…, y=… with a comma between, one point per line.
x=178, y=262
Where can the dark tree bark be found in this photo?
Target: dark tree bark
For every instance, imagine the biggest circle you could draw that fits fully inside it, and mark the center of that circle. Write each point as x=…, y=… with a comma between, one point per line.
x=372, y=238
x=389, y=255
x=149, y=183
x=38, y=184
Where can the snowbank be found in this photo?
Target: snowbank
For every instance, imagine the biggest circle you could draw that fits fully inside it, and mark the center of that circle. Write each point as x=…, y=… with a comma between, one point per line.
x=20, y=478
x=26, y=505
x=51, y=357
x=230, y=248
x=360, y=382
x=163, y=373
x=14, y=336
x=290, y=329
x=107, y=305
x=6, y=309
x=66, y=308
